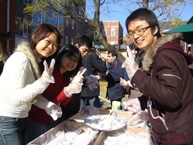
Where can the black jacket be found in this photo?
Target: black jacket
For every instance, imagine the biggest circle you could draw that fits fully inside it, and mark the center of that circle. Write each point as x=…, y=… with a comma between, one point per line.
x=93, y=64
x=115, y=90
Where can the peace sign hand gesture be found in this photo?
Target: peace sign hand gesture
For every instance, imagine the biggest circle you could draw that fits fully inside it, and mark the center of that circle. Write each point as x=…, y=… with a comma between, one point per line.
x=75, y=85
x=130, y=64
x=79, y=76
x=47, y=74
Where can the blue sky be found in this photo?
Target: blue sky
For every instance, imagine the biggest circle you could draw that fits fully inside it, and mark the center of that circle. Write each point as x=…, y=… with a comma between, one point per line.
x=118, y=11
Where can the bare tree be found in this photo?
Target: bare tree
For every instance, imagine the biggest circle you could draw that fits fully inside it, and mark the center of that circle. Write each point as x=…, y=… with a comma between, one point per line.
x=164, y=9
x=75, y=9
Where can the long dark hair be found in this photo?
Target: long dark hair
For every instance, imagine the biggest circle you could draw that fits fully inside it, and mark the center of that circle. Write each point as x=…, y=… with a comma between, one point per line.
x=67, y=51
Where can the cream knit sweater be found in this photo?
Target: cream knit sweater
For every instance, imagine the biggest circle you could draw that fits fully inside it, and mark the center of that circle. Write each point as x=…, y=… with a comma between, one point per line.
x=18, y=83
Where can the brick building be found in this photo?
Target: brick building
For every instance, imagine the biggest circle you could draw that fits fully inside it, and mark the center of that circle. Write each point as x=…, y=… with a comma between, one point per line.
x=7, y=24
x=113, y=32
x=23, y=30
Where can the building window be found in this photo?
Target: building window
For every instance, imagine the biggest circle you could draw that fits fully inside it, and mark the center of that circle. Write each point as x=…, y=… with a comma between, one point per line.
x=25, y=28
x=72, y=24
x=95, y=34
x=67, y=21
x=104, y=32
x=72, y=41
x=66, y=40
x=87, y=31
x=112, y=43
x=25, y=2
x=79, y=12
x=113, y=32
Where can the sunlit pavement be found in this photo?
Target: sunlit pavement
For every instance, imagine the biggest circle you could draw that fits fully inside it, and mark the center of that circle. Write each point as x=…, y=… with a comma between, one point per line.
x=105, y=103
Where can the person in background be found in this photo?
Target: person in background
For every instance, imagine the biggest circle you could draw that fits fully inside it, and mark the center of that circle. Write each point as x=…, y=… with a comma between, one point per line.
x=115, y=91
x=164, y=78
x=94, y=65
x=21, y=83
x=68, y=63
x=139, y=54
x=3, y=57
x=84, y=44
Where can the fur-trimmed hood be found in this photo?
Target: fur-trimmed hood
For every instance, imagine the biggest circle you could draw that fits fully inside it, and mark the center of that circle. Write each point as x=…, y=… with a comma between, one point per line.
x=152, y=51
x=25, y=48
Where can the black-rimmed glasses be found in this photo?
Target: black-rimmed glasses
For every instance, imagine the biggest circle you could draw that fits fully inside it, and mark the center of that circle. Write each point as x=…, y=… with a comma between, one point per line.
x=138, y=32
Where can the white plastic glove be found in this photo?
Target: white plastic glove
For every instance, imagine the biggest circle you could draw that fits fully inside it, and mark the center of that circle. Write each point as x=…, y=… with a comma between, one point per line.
x=130, y=64
x=75, y=85
x=47, y=74
x=92, y=81
x=54, y=110
x=133, y=105
x=43, y=82
x=125, y=84
x=144, y=116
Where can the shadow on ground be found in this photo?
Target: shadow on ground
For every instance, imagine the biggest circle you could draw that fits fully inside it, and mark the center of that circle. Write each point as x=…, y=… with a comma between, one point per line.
x=105, y=103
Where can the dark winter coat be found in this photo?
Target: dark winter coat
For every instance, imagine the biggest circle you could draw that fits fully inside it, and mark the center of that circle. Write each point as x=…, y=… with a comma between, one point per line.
x=93, y=64
x=115, y=90
x=169, y=85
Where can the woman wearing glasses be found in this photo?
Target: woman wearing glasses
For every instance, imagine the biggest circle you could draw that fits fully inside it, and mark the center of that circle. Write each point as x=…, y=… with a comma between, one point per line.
x=164, y=79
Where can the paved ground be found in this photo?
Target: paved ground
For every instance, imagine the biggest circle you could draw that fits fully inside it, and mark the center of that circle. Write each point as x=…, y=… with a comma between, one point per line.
x=106, y=103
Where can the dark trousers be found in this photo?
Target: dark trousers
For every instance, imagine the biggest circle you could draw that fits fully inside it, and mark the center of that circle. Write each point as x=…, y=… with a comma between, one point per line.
x=93, y=101
x=185, y=138
x=158, y=143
